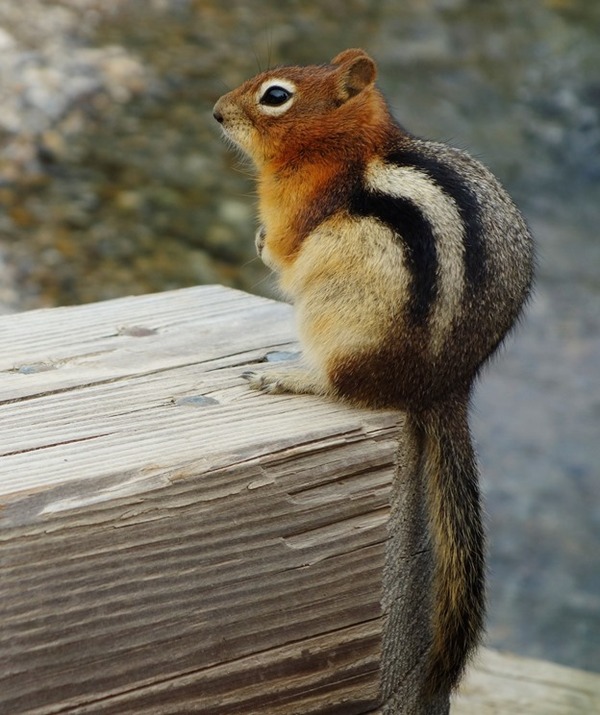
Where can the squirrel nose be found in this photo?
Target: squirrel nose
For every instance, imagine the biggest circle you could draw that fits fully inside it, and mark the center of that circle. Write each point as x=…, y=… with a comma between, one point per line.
x=217, y=114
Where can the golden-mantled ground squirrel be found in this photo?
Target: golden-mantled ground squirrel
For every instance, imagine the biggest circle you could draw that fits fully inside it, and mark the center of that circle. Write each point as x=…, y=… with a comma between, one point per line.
x=407, y=263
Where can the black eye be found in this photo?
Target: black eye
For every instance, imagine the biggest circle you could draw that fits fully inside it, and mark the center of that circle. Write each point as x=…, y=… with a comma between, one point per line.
x=275, y=96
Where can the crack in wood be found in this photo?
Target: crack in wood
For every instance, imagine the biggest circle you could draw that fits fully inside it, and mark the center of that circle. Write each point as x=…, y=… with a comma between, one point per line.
x=51, y=445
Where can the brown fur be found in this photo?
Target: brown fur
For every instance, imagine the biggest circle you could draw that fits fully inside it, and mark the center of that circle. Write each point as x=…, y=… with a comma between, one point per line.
x=351, y=280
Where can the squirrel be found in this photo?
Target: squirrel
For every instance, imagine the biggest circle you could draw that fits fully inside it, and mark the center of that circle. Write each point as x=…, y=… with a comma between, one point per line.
x=407, y=263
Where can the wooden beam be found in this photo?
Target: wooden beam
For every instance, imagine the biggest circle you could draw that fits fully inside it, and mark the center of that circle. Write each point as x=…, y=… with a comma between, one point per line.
x=173, y=542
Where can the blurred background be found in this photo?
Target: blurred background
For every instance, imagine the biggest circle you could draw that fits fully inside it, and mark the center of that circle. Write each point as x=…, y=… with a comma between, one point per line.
x=114, y=181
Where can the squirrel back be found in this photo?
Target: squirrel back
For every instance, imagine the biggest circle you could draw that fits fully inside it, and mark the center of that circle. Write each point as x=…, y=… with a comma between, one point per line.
x=407, y=263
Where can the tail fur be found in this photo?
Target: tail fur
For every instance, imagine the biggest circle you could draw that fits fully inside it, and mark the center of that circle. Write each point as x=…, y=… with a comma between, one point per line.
x=448, y=467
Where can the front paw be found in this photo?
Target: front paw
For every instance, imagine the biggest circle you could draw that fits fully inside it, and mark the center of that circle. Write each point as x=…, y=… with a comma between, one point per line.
x=295, y=380
x=259, y=239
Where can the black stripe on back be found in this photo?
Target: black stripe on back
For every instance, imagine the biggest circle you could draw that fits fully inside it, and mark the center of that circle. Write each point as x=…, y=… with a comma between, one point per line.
x=454, y=185
x=407, y=221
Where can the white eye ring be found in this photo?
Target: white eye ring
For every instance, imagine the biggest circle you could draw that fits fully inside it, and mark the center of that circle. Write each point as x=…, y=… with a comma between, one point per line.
x=281, y=87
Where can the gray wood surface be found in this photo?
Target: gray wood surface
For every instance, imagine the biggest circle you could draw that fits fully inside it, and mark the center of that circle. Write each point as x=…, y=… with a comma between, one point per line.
x=172, y=541
x=506, y=684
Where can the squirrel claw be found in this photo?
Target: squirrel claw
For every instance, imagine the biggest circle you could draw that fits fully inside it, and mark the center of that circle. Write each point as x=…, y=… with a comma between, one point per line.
x=259, y=239
x=263, y=382
x=255, y=380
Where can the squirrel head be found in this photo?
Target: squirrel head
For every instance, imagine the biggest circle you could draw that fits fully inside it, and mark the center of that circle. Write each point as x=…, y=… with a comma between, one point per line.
x=292, y=114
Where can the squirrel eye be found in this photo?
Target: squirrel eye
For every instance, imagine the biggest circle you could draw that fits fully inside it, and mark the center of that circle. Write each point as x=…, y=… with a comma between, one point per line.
x=275, y=96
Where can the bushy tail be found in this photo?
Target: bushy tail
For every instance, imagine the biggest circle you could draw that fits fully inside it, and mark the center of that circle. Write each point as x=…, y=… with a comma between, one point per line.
x=448, y=466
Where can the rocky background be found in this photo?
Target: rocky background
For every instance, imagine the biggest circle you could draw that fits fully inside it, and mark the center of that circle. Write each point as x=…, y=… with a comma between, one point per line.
x=113, y=181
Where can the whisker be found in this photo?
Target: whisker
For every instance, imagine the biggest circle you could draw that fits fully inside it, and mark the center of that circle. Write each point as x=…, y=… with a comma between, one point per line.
x=260, y=282
x=269, y=45
x=250, y=262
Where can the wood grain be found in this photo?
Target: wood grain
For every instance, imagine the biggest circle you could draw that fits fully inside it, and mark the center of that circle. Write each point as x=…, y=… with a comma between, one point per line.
x=506, y=684
x=171, y=541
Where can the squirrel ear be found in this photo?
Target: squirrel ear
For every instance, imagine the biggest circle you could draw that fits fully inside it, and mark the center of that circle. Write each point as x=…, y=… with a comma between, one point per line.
x=356, y=71
x=347, y=55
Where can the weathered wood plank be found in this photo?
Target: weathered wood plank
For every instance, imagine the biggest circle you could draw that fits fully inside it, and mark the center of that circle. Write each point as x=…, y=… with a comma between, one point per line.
x=120, y=386
x=169, y=540
x=506, y=684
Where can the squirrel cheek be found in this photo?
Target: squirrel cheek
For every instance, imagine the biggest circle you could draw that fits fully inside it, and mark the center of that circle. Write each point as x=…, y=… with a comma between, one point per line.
x=245, y=138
